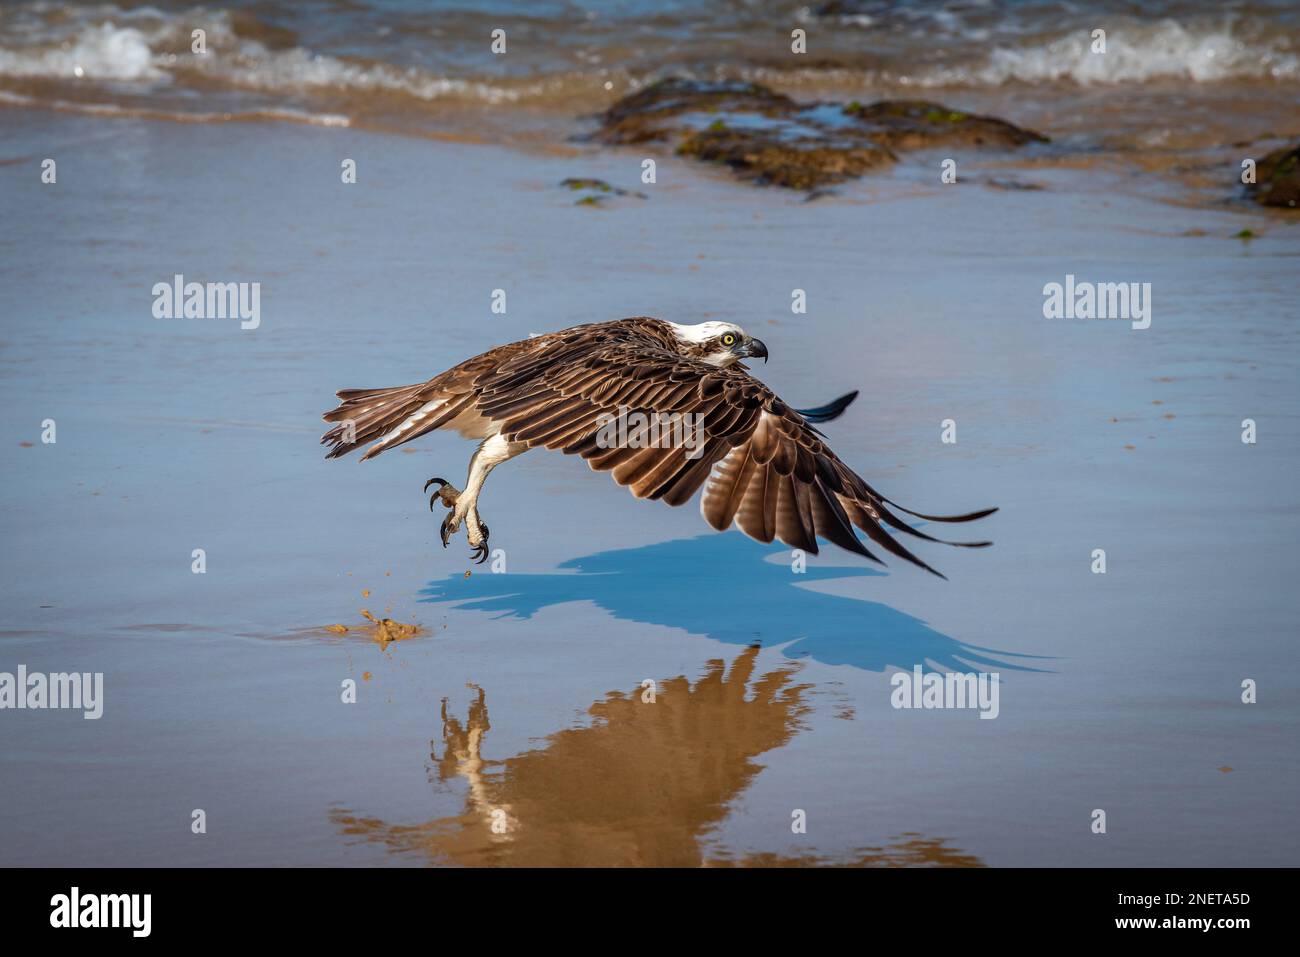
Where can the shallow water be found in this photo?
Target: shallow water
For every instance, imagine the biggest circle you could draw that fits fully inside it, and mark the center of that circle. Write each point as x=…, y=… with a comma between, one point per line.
x=222, y=690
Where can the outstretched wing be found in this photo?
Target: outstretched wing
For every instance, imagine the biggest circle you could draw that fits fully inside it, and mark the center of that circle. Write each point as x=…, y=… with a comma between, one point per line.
x=763, y=467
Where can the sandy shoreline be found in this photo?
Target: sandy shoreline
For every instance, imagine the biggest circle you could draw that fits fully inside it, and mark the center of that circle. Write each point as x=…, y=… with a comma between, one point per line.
x=175, y=435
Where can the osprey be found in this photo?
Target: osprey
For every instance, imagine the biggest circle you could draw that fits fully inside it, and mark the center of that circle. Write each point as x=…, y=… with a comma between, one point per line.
x=762, y=465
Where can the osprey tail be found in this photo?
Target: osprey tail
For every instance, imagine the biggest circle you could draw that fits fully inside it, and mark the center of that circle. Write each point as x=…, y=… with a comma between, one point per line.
x=391, y=416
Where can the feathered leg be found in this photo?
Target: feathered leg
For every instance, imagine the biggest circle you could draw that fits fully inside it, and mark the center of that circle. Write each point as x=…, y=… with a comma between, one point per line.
x=464, y=505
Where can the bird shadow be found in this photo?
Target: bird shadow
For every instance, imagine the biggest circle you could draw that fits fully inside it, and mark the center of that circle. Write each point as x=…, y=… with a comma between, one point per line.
x=720, y=586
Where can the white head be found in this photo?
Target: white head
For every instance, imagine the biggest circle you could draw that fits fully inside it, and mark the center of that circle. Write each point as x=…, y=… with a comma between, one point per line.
x=718, y=343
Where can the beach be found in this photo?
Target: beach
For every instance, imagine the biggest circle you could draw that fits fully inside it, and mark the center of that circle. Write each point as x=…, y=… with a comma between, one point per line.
x=519, y=703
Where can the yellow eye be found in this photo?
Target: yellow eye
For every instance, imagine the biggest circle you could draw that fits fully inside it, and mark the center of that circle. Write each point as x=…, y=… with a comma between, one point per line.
x=728, y=339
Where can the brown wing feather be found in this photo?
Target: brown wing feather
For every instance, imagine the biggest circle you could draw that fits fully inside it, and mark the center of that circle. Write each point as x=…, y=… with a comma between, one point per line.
x=763, y=467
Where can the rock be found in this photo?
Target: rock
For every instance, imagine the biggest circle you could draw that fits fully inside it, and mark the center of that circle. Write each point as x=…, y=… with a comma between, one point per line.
x=643, y=116
x=767, y=138
x=796, y=164
x=596, y=191
x=1277, y=178
x=842, y=8
x=920, y=124
x=1014, y=184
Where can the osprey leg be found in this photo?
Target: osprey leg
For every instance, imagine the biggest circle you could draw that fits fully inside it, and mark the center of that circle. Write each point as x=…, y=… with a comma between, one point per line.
x=449, y=496
x=464, y=505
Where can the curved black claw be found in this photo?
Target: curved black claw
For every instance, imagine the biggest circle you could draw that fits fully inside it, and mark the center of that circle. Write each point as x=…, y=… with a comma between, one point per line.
x=445, y=531
x=437, y=494
x=481, y=552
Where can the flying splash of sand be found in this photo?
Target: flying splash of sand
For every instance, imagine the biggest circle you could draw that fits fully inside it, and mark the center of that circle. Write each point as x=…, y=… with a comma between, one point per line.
x=382, y=631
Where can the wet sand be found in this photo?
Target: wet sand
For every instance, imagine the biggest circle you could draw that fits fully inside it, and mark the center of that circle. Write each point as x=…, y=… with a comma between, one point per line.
x=222, y=690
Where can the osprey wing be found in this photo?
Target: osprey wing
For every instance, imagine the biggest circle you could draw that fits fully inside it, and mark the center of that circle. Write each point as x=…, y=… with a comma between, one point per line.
x=782, y=481
x=626, y=406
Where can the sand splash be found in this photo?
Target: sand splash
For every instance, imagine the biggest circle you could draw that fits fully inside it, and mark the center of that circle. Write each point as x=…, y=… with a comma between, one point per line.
x=382, y=631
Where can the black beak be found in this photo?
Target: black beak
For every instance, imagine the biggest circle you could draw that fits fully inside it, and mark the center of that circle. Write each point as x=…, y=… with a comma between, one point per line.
x=756, y=350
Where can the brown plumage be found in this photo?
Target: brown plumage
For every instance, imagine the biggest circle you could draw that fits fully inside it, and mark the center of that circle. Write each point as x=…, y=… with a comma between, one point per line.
x=763, y=467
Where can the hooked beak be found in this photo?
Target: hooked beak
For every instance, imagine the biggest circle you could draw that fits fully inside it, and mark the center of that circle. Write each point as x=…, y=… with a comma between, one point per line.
x=754, y=349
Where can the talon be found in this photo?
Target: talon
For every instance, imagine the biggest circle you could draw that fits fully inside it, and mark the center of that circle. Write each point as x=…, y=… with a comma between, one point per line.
x=445, y=531
x=446, y=493
x=437, y=494
x=481, y=550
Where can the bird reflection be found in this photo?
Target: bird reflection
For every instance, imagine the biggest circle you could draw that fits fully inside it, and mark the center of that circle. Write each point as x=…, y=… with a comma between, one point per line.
x=644, y=783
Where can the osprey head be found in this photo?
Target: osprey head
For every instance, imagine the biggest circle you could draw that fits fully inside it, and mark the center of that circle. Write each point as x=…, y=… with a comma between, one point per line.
x=718, y=343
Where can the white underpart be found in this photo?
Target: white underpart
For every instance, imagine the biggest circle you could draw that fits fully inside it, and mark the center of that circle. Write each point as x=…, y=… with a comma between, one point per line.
x=492, y=452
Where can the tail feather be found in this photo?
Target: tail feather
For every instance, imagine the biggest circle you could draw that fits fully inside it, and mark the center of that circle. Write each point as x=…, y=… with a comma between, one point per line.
x=365, y=415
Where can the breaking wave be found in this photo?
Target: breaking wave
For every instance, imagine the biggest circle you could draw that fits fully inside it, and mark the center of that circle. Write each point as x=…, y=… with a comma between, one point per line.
x=1139, y=54
x=337, y=62
x=150, y=47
